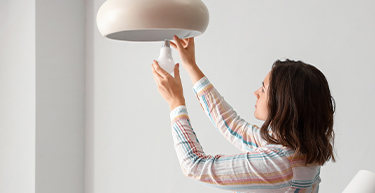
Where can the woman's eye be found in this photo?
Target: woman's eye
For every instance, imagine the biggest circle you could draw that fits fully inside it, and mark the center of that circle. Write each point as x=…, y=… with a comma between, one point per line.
x=262, y=90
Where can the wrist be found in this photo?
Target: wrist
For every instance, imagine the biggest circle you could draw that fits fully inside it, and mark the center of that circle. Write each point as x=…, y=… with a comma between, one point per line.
x=175, y=104
x=190, y=65
x=195, y=73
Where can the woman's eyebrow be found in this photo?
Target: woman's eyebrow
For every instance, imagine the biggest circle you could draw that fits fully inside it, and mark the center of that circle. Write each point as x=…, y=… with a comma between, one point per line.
x=263, y=84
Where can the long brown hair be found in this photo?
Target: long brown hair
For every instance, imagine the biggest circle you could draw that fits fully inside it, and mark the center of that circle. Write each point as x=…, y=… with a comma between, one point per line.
x=301, y=111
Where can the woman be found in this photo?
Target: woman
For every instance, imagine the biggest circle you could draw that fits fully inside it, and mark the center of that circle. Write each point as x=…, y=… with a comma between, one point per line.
x=284, y=155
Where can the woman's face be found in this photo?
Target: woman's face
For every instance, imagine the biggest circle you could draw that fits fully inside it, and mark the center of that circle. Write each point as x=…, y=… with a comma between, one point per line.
x=261, y=109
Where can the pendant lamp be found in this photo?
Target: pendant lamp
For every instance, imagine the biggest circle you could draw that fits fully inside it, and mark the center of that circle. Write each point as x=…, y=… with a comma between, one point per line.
x=152, y=20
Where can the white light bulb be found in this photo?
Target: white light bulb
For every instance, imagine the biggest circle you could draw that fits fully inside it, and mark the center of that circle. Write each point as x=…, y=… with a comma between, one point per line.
x=165, y=59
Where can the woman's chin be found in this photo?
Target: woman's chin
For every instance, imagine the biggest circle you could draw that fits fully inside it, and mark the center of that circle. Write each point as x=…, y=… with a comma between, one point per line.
x=257, y=117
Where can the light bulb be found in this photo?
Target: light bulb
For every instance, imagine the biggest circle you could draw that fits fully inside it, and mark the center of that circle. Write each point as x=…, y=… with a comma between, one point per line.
x=165, y=59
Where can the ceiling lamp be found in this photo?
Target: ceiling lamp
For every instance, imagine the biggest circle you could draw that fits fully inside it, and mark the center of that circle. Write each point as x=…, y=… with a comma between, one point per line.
x=152, y=20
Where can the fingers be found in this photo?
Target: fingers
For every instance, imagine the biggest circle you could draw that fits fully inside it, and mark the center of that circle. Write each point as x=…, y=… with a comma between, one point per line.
x=157, y=76
x=160, y=71
x=181, y=43
x=185, y=42
x=178, y=42
x=174, y=45
x=184, y=45
x=191, y=41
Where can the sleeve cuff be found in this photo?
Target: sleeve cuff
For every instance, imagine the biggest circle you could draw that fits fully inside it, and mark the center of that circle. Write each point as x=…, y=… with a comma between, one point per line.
x=201, y=85
x=178, y=113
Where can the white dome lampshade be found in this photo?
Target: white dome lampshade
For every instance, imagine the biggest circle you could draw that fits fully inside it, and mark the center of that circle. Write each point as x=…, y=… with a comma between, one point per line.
x=152, y=20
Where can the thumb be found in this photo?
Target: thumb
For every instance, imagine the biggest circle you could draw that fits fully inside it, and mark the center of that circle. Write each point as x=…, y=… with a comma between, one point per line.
x=177, y=72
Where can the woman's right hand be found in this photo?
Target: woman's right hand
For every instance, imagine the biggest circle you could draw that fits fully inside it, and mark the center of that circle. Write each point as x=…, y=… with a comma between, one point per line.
x=186, y=50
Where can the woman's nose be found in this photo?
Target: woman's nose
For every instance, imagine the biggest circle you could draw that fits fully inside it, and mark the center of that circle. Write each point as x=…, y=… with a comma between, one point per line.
x=256, y=94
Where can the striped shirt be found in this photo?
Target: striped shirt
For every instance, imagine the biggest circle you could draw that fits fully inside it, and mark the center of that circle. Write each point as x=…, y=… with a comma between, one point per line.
x=262, y=167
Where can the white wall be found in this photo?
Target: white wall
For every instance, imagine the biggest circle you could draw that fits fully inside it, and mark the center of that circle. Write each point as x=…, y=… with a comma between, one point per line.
x=131, y=146
x=42, y=95
x=128, y=142
x=17, y=96
x=60, y=96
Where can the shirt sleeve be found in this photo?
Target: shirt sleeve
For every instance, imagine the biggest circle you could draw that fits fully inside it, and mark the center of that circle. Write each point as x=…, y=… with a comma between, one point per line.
x=263, y=169
x=243, y=135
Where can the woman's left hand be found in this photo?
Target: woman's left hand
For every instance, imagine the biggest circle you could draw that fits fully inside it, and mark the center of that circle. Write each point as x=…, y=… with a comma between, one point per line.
x=169, y=87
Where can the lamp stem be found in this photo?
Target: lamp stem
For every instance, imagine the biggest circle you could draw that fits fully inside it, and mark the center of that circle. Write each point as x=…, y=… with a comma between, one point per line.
x=166, y=43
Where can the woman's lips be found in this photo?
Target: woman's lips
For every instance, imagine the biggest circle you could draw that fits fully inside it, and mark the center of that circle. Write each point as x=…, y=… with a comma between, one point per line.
x=255, y=106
